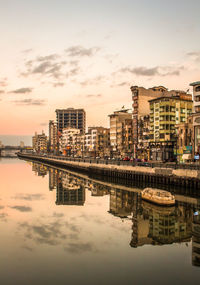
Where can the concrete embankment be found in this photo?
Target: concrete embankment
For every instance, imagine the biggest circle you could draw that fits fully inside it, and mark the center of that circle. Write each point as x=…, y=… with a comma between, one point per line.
x=186, y=179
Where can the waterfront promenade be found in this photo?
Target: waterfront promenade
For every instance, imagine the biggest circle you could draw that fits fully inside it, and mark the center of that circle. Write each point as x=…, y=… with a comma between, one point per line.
x=185, y=178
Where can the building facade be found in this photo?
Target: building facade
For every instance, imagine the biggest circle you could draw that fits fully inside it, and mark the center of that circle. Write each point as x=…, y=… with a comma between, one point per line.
x=53, y=137
x=196, y=118
x=71, y=142
x=39, y=142
x=140, y=108
x=73, y=118
x=97, y=142
x=165, y=113
x=185, y=140
x=121, y=140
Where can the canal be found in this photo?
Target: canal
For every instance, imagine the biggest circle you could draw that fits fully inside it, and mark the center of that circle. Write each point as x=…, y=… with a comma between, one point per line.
x=59, y=227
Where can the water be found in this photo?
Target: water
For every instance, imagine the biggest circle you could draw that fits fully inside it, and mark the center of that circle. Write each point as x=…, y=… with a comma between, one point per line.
x=61, y=228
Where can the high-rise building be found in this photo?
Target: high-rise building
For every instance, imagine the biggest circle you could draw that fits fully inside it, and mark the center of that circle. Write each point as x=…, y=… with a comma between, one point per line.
x=53, y=136
x=140, y=107
x=73, y=118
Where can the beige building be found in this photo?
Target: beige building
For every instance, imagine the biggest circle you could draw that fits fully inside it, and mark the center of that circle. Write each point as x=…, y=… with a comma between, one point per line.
x=97, y=142
x=196, y=117
x=185, y=140
x=39, y=142
x=141, y=108
x=121, y=142
x=166, y=112
x=53, y=137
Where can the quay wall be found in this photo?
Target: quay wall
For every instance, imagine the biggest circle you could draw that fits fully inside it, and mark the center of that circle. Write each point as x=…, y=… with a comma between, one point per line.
x=184, y=178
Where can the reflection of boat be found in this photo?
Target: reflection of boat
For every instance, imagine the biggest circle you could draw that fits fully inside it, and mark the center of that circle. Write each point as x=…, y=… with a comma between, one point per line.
x=158, y=196
x=161, y=210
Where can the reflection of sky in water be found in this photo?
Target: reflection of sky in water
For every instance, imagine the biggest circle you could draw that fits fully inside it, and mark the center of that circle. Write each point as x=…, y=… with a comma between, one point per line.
x=87, y=242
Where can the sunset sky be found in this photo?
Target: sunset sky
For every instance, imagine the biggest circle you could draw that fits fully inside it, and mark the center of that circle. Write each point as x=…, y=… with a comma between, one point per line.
x=87, y=54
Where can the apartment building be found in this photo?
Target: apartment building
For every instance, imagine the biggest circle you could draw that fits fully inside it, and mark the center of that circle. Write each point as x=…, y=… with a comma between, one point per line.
x=140, y=108
x=53, y=136
x=121, y=141
x=39, y=143
x=196, y=117
x=185, y=140
x=166, y=112
x=71, y=142
x=97, y=142
x=73, y=118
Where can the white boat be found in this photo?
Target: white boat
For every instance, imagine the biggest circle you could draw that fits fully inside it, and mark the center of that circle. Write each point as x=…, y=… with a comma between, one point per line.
x=158, y=196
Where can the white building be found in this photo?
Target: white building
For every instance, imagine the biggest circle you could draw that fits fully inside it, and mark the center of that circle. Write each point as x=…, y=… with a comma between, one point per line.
x=71, y=142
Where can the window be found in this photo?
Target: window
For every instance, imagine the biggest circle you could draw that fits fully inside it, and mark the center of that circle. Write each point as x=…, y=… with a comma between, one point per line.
x=197, y=89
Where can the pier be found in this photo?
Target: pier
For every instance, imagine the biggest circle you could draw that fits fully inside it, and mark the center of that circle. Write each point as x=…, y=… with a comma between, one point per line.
x=186, y=179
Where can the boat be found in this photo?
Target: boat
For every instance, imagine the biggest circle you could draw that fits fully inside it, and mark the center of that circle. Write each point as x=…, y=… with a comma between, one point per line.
x=158, y=196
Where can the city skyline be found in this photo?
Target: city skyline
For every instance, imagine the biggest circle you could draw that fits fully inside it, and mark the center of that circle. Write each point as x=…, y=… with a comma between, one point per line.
x=88, y=54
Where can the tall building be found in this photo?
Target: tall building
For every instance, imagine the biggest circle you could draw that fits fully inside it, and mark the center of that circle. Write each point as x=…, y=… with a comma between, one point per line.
x=53, y=136
x=39, y=142
x=73, y=118
x=165, y=113
x=120, y=133
x=140, y=107
x=196, y=116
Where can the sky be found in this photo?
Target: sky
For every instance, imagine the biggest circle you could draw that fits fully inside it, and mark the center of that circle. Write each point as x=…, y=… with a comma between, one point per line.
x=87, y=54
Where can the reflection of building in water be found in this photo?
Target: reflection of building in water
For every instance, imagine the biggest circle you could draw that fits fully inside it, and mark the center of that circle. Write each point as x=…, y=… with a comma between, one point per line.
x=196, y=238
x=53, y=173
x=121, y=202
x=98, y=189
x=154, y=224
x=39, y=169
x=70, y=190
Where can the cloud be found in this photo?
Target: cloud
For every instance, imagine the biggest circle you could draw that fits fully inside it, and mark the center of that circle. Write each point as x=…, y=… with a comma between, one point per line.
x=81, y=51
x=93, y=96
x=22, y=208
x=93, y=81
x=30, y=102
x=194, y=55
x=48, y=57
x=58, y=84
x=29, y=197
x=3, y=82
x=154, y=71
x=124, y=83
x=80, y=247
x=27, y=50
x=22, y=90
x=44, y=233
x=45, y=65
x=74, y=71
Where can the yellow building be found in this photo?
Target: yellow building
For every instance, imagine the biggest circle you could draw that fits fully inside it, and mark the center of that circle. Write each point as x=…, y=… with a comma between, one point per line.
x=165, y=113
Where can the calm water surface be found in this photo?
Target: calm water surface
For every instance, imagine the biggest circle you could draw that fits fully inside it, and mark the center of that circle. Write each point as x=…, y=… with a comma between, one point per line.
x=60, y=228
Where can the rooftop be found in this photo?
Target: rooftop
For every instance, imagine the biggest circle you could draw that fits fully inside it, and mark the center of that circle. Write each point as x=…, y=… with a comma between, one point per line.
x=195, y=83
